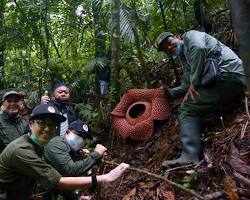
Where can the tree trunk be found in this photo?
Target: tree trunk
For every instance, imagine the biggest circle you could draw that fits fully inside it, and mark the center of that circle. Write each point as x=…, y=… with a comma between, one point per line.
x=73, y=45
x=46, y=50
x=241, y=14
x=138, y=43
x=115, y=49
x=2, y=47
x=100, y=38
x=163, y=15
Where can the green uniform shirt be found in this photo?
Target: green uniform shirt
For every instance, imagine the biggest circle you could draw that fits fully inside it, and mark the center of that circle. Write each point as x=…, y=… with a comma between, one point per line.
x=197, y=47
x=21, y=167
x=58, y=153
x=10, y=129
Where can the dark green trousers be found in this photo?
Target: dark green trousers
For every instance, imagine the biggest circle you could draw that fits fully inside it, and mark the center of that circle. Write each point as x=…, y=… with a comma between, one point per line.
x=211, y=99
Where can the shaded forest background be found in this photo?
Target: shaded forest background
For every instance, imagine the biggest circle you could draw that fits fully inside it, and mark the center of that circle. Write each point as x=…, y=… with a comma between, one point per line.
x=43, y=42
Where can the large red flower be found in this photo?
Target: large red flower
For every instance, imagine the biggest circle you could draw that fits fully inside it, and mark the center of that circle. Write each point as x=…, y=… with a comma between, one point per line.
x=134, y=115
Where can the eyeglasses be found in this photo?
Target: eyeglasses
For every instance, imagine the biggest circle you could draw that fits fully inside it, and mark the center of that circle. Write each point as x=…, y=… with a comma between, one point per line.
x=46, y=123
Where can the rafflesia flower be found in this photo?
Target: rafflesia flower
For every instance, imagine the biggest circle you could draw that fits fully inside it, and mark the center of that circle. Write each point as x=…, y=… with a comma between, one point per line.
x=134, y=115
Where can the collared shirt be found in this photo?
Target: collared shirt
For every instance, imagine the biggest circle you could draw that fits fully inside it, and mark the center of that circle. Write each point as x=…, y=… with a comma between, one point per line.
x=10, y=128
x=197, y=47
x=58, y=153
x=64, y=125
x=21, y=167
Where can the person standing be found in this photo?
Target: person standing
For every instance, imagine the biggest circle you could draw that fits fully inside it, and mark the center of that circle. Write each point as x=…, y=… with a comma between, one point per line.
x=213, y=76
x=103, y=73
x=24, y=111
x=61, y=100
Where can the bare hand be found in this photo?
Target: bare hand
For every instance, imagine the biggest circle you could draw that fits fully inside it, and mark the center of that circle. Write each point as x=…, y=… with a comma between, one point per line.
x=192, y=92
x=164, y=87
x=102, y=150
x=45, y=98
x=84, y=152
x=116, y=173
x=84, y=197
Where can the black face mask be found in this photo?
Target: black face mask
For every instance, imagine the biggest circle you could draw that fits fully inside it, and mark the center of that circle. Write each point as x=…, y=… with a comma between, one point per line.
x=61, y=103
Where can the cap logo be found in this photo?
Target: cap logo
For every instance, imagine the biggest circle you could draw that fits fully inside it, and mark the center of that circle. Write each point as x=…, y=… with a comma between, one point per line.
x=51, y=109
x=85, y=127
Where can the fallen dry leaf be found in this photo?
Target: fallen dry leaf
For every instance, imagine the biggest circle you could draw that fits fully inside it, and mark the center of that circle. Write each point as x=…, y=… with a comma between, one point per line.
x=130, y=194
x=229, y=188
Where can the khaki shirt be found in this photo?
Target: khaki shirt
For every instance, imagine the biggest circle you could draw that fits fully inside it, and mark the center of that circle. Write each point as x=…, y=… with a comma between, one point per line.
x=10, y=129
x=21, y=167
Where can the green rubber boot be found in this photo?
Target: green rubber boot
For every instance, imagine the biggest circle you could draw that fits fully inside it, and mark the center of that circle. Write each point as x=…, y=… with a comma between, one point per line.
x=191, y=141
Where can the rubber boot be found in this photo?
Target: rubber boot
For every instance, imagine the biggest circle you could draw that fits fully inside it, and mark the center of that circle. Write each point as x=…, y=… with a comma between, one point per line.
x=191, y=141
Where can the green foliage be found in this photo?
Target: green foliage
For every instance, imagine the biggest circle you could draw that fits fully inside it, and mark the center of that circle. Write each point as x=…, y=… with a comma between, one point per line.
x=126, y=81
x=33, y=99
x=89, y=113
x=90, y=144
x=113, y=97
x=190, y=180
x=46, y=41
x=126, y=24
x=208, y=135
x=99, y=62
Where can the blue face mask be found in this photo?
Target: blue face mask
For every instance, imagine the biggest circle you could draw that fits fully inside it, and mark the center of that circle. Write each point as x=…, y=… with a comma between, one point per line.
x=36, y=140
x=178, y=50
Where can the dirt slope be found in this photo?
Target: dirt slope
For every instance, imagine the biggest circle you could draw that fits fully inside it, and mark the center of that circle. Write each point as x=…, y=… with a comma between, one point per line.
x=223, y=173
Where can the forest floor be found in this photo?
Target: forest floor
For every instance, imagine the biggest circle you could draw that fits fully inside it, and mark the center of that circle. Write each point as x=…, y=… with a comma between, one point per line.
x=223, y=172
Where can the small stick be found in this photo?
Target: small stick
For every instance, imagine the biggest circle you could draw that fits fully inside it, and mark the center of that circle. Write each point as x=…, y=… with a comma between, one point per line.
x=214, y=195
x=243, y=130
x=223, y=125
x=241, y=178
x=246, y=105
x=179, y=167
x=161, y=178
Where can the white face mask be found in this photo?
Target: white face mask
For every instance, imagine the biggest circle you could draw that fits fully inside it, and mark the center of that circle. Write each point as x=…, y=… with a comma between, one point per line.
x=178, y=50
x=75, y=142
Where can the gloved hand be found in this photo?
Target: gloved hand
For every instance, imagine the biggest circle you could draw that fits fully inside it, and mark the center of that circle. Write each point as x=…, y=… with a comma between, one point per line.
x=116, y=173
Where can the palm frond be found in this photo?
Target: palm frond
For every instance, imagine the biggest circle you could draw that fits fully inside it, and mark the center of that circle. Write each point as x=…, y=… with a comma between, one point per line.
x=96, y=3
x=126, y=25
x=107, y=2
x=100, y=62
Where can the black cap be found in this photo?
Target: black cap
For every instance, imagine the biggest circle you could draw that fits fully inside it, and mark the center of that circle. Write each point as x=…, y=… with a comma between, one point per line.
x=47, y=111
x=80, y=127
x=6, y=94
x=57, y=85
